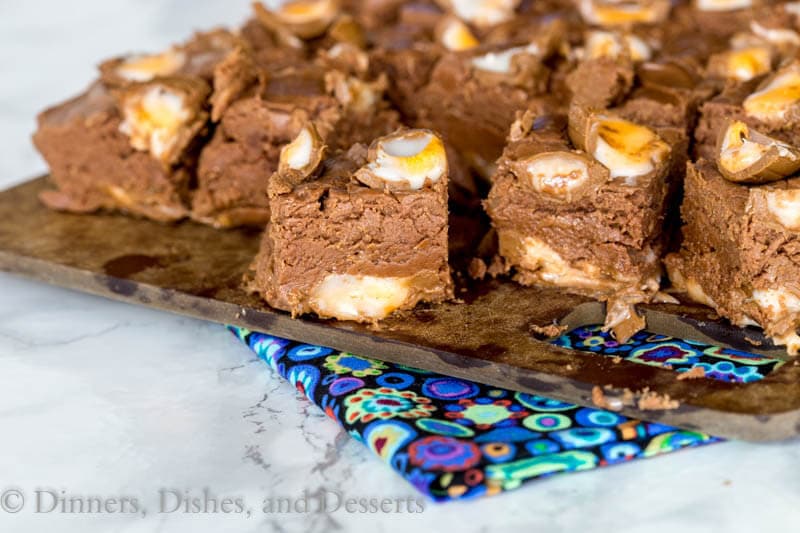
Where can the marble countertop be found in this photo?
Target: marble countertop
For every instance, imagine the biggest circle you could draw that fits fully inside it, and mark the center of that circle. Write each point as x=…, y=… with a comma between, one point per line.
x=103, y=398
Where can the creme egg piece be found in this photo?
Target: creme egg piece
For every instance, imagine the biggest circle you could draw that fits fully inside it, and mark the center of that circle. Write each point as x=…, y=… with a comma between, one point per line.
x=791, y=340
x=551, y=268
x=456, y=36
x=638, y=49
x=349, y=297
x=695, y=292
x=304, y=11
x=747, y=63
x=612, y=45
x=153, y=120
x=623, y=12
x=722, y=5
x=297, y=154
x=353, y=93
x=627, y=149
x=773, y=101
x=784, y=204
x=141, y=68
x=778, y=36
x=737, y=152
x=501, y=62
x=483, y=12
x=603, y=44
x=304, y=153
x=558, y=175
x=407, y=159
x=777, y=303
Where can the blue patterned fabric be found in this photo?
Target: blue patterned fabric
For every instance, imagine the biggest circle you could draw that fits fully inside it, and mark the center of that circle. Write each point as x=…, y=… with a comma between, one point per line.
x=452, y=438
x=680, y=355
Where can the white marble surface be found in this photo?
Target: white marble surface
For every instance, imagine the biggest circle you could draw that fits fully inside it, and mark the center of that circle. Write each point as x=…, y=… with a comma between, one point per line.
x=102, y=398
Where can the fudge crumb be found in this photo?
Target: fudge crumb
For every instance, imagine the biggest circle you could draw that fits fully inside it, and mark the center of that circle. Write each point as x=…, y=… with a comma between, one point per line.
x=696, y=372
x=627, y=397
x=599, y=398
x=628, y=327
x=602, y=401
x=653, y=401
x=547, y=332
x=754, y=342
x=477, y=268
x=616, y=359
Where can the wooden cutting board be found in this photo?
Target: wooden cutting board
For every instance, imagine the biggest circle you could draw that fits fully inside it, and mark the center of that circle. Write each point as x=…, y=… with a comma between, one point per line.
x=486, y=337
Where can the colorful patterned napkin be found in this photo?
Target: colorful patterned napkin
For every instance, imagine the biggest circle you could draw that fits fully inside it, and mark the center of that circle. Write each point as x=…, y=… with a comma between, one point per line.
x=455, y=439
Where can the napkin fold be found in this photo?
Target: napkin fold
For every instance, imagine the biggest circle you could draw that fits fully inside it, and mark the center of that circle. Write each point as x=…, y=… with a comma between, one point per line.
x=454, y=439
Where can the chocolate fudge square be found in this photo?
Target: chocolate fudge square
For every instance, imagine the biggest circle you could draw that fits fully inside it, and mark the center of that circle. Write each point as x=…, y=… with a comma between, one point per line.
x=585, y=216
x=740, y=251
x=130, y=151
x=361, y=235
x=235, y=167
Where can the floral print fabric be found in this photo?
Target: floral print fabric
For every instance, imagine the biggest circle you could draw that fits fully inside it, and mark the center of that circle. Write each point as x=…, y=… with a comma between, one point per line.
x=452, y=438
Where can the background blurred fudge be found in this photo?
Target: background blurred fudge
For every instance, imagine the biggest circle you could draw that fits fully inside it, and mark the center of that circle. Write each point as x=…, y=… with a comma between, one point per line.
x=130, y=141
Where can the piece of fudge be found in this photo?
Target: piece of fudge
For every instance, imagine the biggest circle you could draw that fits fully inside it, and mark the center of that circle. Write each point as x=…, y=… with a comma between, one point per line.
x=235, y=167
x=358, y=235
x=130, y=151
x=131, y=142
x=740, y=251
x=584, y=211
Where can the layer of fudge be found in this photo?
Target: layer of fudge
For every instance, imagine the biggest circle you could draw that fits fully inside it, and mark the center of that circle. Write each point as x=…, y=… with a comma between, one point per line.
x=358, y=235
x=579, y=203
x=741, y=244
